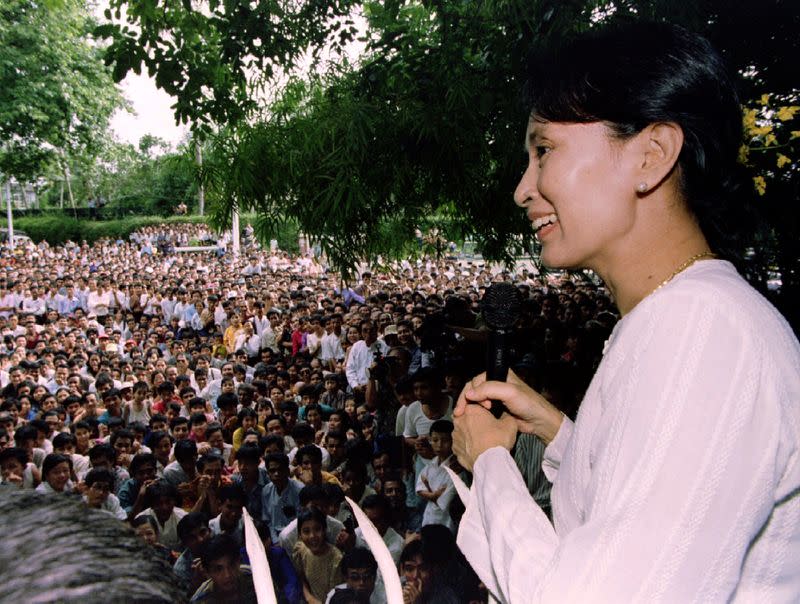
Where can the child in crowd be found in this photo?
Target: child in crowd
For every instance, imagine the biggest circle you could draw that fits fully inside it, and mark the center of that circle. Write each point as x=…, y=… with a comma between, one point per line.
x=99, y=483
x=350, y=408
x=360, y=571
x=138, y=408
x=197, y=427
x=64, y=443
x=215, y=443
x=248, y=419
x=146, y=529
x=105, y=456
x=162, y=501
x=82, y=431
x=179, y=428
x=229, y=580
x=160, y=443
x=56, y=473
x=17, y=470
x=193, y=533
x=333, y=395
x=316, y=561
x=250, y=477
x=434, y=484
x=229, y=521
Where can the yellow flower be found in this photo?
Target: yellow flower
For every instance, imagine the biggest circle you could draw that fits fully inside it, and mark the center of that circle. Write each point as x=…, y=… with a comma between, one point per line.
x=783, y=160
x=787, y=113
x=761, y=184
x=761, y=130
x=749, y=119
x=795, y=134
x=744, y=154
x=770, y=140
x=764, y=99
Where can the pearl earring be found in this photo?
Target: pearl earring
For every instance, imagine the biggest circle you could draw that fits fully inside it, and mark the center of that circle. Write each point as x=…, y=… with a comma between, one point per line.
x=641, y=187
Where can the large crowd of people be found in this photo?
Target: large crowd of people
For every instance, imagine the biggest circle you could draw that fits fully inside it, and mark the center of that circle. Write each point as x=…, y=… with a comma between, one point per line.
x=173, y=390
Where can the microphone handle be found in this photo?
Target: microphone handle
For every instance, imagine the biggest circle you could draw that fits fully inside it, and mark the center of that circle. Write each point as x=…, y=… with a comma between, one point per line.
x=497, y=361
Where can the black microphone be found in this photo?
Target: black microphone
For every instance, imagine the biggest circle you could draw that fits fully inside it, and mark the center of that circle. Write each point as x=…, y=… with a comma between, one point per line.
x=500, y=307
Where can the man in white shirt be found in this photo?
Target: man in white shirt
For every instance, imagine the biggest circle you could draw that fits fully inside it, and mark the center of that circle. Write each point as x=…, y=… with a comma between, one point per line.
x=168, y=306
x=67, y=303
x=362, y=356
x=260, y=320
x=253, y=268
x=314, y=337
x=33, y=304
x=98, y=301
x=269, y=337
x=331, y=349
x=6, y=301
x=248, y=341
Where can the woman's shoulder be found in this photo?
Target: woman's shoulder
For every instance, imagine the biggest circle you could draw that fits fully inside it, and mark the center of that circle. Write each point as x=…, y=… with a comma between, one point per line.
x=713, y=293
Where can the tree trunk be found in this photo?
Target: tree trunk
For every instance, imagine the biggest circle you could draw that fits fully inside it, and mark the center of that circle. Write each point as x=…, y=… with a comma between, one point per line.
x=201, y=192
x=10, y=214
x=67, y=177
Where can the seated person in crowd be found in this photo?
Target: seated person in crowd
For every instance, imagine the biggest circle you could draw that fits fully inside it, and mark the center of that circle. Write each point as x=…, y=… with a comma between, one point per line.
x=228, y=579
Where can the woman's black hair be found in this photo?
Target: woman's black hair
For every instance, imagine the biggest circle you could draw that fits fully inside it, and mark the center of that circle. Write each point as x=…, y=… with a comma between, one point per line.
x=213, y=427
x=636, y=74
x=21, y=455
x=63, y=439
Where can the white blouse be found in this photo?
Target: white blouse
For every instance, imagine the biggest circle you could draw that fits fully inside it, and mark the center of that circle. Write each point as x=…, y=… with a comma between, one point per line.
x=680, y=480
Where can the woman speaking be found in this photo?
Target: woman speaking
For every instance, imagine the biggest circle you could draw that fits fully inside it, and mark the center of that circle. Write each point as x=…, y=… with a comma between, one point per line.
x=680, y=479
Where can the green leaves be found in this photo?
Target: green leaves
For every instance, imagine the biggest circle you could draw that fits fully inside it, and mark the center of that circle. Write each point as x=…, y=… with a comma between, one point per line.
x=55, y=93
x=210, y=58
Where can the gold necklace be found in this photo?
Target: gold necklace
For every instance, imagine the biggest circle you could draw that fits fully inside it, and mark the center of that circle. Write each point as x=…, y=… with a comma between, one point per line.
x=682, y=268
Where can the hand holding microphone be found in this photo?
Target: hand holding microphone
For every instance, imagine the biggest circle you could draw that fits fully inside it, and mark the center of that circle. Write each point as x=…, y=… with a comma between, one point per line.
x=499, y=390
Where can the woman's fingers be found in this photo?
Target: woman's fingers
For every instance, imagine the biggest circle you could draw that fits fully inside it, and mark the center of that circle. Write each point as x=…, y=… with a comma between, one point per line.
x=513, y=396
x=462, y=402
x=513, y=378
x=477, y=430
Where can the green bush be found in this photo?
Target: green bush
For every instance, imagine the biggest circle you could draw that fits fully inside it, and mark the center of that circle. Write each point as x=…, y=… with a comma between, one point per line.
x=57, y=228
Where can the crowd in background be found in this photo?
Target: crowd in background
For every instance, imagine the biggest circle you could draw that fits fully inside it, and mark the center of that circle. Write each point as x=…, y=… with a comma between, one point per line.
x=172, y=390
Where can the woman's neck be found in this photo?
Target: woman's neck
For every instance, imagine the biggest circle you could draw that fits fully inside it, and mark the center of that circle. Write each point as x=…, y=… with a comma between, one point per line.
x=660, y=254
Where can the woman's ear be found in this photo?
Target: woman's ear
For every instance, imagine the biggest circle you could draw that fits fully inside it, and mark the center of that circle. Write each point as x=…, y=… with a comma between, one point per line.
x=660, y=146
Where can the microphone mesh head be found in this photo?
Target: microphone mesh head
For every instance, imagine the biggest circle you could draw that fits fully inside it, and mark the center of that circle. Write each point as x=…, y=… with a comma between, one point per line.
x=501, y=305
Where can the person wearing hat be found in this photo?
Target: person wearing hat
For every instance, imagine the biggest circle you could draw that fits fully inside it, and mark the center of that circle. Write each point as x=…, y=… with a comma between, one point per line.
x=390, y=336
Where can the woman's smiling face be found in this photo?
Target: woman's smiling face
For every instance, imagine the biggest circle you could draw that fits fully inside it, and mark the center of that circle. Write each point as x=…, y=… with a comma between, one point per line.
x=577, y=192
